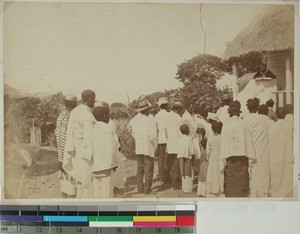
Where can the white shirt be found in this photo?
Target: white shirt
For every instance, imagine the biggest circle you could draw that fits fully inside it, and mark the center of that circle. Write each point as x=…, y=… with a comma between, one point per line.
x=161, y=119
x=78, y=148
x=104, y=147
x=188, y=119
x=207, y=126
x=144, y=131
x=222, y=113
x=173, y=132
x=185, y=147
x=235, y=139
x=79, y=131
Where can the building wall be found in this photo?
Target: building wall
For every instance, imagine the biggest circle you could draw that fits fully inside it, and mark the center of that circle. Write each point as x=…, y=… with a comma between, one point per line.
x=276, y=64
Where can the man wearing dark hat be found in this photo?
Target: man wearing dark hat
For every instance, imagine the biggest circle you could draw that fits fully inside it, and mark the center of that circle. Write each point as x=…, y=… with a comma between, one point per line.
x=144, y=131
x=67, y=184
x=78, y=151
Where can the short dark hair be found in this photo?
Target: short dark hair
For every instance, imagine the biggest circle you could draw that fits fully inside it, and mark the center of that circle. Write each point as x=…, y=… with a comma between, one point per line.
x=87, y=94
x=184, y=129
x=234, y=108
x=217, y=127
x=270, y=103
x=280, y=113
x=201, y=131
x=101, y=113
x=263, y=109
x=252, y=104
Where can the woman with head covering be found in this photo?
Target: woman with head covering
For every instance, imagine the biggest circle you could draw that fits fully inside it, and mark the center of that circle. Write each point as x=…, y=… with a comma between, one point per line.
x=236, y=153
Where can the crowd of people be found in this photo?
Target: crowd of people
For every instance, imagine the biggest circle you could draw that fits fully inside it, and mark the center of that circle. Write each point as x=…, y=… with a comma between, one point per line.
x=222, y=154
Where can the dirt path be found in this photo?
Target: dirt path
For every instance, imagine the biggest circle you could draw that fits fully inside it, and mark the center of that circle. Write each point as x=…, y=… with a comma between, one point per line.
x=42, y=182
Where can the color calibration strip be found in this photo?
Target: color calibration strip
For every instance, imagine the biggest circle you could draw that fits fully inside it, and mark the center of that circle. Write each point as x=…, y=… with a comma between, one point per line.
x=140, y=219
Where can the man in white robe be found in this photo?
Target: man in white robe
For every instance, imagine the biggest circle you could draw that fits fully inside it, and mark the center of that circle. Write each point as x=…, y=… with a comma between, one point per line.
x=260, y=175
x=78, y=149
x=282, y=155
x=161, y=119
x=105, y=147
x=237, y=153
x=173, y=133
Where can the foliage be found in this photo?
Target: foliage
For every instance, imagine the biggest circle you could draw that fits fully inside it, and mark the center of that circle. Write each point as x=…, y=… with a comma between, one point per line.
x=246, y=63
x=199, y=76
x=21, y=113
x=126, y=140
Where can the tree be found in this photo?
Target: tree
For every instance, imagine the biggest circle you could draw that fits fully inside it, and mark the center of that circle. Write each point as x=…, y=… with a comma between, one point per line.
x=246, y=63
x=199, y=76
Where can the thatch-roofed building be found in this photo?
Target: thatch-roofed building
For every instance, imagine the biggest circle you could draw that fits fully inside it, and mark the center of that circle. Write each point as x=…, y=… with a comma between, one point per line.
x=271, y=33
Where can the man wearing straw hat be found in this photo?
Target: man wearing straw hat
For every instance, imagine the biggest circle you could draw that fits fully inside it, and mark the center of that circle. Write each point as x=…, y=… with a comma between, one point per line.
x=67, y=183
x=144, y=131
x=78, y=150
x=173, y=133
x=161, y=119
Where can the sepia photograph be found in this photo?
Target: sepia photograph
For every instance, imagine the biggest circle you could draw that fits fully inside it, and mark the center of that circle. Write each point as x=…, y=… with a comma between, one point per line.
x=149, y=100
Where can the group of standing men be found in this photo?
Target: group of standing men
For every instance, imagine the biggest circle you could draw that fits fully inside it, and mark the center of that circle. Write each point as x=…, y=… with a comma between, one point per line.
x=234, y=154
x=87, y=148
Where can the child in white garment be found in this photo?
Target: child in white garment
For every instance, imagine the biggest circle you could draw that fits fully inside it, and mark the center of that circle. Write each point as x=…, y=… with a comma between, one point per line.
x=104, y=153
x=186, y=158
x=214, y=179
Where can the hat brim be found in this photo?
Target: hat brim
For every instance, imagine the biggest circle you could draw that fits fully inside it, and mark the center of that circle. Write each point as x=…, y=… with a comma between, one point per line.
x=142, y=109
x=163, y=103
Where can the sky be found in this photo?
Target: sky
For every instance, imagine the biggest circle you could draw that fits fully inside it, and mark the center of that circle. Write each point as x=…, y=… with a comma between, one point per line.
x=113, y=49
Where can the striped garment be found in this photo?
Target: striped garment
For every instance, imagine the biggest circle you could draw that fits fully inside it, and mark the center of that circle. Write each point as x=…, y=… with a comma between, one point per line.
x=61, y=129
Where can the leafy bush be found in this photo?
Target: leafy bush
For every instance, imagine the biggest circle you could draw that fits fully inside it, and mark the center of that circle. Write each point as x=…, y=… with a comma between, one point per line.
x=199, y=76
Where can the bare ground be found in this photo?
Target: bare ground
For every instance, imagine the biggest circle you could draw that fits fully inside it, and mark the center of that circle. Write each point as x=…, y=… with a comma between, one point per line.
x=41, y=181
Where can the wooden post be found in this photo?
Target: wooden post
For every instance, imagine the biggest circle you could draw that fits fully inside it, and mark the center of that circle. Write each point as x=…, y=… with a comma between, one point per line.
x=289, y=79
x=280, y=99
x=235, y=87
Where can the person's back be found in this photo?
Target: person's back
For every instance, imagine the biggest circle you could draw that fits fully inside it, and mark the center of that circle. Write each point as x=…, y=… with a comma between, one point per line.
x=104, y=147
x=189, y=120
x=281, y=157
x=140, y=132
x=78, y=151
x=173, y=132
x=82, y=119
x=233, y=139
x=257, y=127
x=161, y=119
x=215, y=179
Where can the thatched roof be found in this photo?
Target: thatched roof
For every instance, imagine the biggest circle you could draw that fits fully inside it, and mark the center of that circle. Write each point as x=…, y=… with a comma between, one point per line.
x=271, y=30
